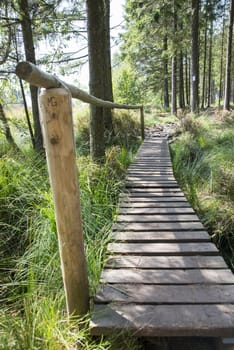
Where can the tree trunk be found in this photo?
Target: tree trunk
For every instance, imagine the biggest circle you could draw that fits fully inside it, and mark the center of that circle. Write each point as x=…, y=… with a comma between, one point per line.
x=221, y=60
x=174, y=67
x=165, y=79
x=210, y=66
x=173, y=86
x=7, y=130
x=195, y=57
x=187, y=80
x=229, y=59
x=181, y=81
x=95, y=12
x=204, y=70
x=107, y=75
x=30, y=56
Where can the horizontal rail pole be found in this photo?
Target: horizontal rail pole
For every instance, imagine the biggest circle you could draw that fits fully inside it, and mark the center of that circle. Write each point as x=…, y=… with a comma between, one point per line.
x=32, y=74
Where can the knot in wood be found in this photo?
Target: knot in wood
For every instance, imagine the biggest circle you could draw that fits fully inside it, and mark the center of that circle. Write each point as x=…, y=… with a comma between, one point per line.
x=54, y=139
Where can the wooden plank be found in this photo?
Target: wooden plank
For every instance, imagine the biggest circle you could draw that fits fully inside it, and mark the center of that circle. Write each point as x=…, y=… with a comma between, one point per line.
x=153, y=192
x=160, y=237
x=155, y=211
x=150, y=170
x=161, y=226
x=168, y=277
x=151, y=178
x=166, y=262
x=154, y=198
x=150, y=167
x=155, y=204
x=153, y=162
x=160, y=184
x=161, y=294
x=163, y=248
x=157, y=218
x=163, y=320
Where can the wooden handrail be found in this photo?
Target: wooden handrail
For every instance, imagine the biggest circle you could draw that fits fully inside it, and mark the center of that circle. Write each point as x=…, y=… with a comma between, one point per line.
x=57, y=125
x=35, y=76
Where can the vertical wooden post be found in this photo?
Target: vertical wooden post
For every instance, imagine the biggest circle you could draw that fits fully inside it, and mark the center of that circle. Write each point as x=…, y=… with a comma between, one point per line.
x=142, y=123
x=57, y=126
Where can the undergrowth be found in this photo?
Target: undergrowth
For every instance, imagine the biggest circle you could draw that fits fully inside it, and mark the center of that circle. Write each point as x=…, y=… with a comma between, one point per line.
x=32, y=314
x=203, y=158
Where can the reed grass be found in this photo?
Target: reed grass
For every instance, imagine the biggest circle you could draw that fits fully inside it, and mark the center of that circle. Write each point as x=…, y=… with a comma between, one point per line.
x=32, y=314
x=203, y=158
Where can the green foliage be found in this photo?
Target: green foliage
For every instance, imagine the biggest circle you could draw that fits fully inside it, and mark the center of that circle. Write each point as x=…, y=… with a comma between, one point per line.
x=127, y=87
x=203, y=161
x=32, y=314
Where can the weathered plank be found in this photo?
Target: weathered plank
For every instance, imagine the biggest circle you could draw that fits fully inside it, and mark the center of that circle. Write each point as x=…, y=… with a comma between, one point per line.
x=155, y=226
x=166, y=262
x=157, y=218
x=155, y=211
x=158, y=192
x=163, y=277
x=160, y=237
x=164, y=320
x=161, y=184
x=163, y=248
x=169, y=277
x=164, y=294
x=150, y=172
x=154, y=204
x=151, y=178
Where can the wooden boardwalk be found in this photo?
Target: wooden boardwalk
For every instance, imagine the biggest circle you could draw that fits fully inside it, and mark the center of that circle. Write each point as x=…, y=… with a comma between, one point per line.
x=163, y=276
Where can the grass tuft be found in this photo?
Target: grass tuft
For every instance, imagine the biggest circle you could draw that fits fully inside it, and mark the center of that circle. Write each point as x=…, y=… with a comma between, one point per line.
x=203, y=158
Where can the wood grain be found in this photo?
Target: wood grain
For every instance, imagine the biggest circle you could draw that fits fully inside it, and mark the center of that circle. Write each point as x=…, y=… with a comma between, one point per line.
x=163, y=248
x=163, y=320
x=169, y=277
x=165, y=262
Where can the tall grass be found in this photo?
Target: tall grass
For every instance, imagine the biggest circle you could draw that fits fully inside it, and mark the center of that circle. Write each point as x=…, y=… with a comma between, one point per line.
x=32, y=314
x=203, y=158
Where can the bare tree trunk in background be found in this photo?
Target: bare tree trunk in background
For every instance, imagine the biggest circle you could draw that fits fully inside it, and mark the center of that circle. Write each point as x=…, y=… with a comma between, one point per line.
x=107, y=74
x=165, y=80
x=229, y=59
x=221, y=59
x=174, y=86
x=209, y=97
x=181, y=81
x=95, y=12
x=174, y=67
x=204, y=69
x=7, y=130
x=187, y=80
x=195, y=57
x=30, y=56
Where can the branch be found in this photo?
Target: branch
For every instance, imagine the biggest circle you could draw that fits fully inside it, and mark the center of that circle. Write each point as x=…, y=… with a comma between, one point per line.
x=32, y=74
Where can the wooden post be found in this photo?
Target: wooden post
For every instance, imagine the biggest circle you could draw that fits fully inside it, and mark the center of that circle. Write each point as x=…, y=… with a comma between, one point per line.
x=57, y=126
x=142, y=123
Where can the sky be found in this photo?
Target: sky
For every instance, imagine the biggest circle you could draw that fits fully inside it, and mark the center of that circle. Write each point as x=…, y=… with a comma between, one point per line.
x=116, y=17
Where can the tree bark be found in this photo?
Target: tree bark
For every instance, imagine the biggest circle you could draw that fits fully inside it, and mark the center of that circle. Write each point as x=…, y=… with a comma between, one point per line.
x=195, y=57
x=187, y=80
x=221, y=60
x=7, y=130
x=26, y=26
x=107, y=74
x=209, y=96
x=204, y=70
x=174, y=86
x=181, y=81
x=165, y=80
x=174, y=67
x=229, y=59
x=95, y=12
